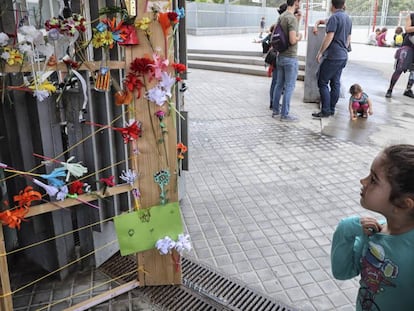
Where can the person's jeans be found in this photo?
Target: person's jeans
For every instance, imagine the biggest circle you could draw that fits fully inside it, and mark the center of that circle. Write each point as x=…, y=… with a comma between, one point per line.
x=330, y=73
x=273, y=84
x=287, y=73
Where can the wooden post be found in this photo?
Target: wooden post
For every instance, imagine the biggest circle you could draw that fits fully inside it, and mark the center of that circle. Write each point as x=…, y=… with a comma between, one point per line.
x=154, y=155
x=6, y=302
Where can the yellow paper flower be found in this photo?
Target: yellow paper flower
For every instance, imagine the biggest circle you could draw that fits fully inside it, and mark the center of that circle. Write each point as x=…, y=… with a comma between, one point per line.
x=44, y=86
x=143, y=24
x=15, y=57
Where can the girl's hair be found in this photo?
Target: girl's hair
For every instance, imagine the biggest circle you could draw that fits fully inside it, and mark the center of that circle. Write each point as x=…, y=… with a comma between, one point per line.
x=384, y=29
x=399, y=30
x=399, y=169
x=355, y=89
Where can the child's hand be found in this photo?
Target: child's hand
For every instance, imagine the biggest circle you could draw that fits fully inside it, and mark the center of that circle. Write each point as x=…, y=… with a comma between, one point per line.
x=370, y=225
x=353, y=117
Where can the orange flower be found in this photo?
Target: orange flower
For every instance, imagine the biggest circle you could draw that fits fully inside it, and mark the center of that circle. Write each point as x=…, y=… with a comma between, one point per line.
x=13, y=218
x=26, y=196
x=166, y=20
x=181, y=149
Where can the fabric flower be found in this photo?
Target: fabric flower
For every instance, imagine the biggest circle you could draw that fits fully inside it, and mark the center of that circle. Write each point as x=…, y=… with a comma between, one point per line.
x=108, y=182
x=41, y=95
x=181, y=149
x=32, y=35
x=165, y=245
x=143, y=24
x=13, y=218
x=180, y=12
x=157, y=95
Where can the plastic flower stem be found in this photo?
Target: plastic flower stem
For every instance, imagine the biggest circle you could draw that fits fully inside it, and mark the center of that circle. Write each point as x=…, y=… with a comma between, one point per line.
x=33, y=70
x=149, y=112
x=46, y=158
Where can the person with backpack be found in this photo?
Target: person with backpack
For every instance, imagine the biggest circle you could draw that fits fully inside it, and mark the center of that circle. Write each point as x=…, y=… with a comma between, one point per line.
x=332, y=57
x=287, y=61
x=282, y=8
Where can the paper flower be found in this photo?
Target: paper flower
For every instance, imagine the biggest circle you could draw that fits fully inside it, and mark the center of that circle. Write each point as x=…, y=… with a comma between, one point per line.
x=157, y=95
x=180, y=12
x=13, y=218
x=107, y=33
x=167, y=20
x=4, y=39
x=181, y=149
x=159, y=65
x=129, y=176
x=63, y=193
x=50, y=190
x=74, y=169
x=76, y=187
x=53, y=177
x=26, y=196
x=165, y=245
x=167, y=82
x=183, y=244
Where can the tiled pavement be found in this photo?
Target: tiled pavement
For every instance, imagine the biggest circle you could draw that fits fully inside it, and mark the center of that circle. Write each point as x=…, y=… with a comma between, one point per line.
x=263, y=197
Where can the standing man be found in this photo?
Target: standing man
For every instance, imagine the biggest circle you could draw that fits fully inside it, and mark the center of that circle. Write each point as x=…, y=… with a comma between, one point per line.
x=262, y=27
x=287, y=62
x=332, y=57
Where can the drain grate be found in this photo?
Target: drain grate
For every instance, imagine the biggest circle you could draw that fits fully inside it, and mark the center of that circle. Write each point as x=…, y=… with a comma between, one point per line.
x=202, y=289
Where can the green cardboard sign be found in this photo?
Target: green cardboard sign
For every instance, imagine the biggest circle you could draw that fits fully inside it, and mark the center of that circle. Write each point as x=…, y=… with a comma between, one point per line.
x=139, y=231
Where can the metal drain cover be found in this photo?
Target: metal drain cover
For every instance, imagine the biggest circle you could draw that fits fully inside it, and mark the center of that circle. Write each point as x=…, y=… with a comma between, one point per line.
x=202, y=289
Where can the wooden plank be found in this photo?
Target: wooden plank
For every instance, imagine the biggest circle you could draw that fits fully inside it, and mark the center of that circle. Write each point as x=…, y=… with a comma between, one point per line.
x=6, y=302
x=53, y=206
x=153, y=268
x=61, y=66
x=85, y=305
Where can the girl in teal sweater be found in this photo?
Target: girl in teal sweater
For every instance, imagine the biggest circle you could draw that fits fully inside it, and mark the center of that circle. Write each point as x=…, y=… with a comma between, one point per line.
x=381, y=252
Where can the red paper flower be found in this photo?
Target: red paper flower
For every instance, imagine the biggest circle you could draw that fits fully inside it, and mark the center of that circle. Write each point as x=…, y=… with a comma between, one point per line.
x=76, y=187
x=131, y=132
x=179, y=68
x=108, y=182
x=141, y=66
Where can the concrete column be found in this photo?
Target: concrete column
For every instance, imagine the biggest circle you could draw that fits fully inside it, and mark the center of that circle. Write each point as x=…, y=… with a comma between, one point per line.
x=311, y=91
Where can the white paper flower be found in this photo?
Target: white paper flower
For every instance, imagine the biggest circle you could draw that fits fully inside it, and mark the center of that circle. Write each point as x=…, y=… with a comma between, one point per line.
x=4, y=39
x=157, y=95
x=26, y=49
x=74, y=169
x=32, y=35
x=129, y=176
x=183, y=244
x=41, y=94
x=62, y=194
x=5, y=55
x=165, y=245
x=167, y=81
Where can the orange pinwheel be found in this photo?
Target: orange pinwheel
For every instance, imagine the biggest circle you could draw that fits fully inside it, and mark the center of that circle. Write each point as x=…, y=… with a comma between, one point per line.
x=26, y=196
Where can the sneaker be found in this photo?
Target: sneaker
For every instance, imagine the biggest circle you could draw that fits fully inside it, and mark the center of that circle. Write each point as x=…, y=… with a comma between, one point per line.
x=275, y=114
x=388, y=94
x=409, y=93
x=289, y=118
x=320, y=115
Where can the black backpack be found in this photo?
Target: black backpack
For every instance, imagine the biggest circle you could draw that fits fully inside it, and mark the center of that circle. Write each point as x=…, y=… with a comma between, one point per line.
x=279, y=41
